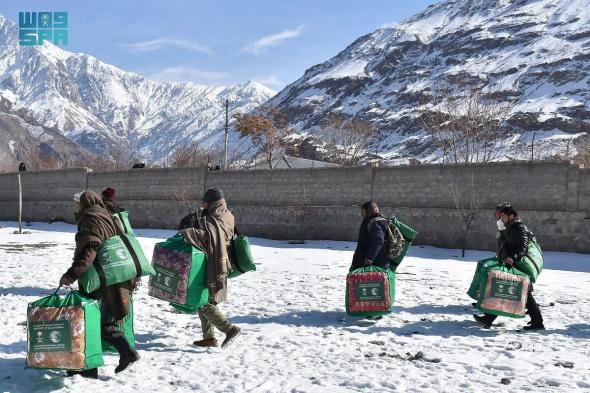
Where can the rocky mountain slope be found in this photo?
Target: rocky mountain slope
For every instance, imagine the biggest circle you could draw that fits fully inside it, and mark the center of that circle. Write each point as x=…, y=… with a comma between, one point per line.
x=22, y=139
x=103, y=108
x=532, y=53
x=535, y=53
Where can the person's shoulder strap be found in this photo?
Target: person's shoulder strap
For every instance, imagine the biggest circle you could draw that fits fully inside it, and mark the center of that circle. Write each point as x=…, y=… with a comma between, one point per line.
x=124, y=237
x=374, y=220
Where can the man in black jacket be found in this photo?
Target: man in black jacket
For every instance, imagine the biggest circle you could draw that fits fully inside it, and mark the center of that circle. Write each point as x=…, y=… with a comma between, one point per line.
x=499, y=223
x=513, y=245
x=501, y=228
x=372, y=244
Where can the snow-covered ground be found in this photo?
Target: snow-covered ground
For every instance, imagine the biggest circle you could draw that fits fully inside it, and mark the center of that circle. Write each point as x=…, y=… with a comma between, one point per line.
x=297, y=337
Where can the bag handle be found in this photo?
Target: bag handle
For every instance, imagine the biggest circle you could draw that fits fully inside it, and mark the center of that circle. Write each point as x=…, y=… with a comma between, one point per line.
x=533, y=239
x=60, y=287
x=125, y=238
x=233, y=251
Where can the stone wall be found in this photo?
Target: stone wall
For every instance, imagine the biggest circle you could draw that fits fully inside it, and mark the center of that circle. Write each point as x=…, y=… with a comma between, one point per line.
x=322, y=203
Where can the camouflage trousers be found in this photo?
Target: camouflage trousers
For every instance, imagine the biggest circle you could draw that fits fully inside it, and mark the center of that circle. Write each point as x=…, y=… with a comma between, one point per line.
x=211, y=318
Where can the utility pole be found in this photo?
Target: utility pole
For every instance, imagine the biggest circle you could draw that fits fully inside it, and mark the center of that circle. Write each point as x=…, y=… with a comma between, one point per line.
x=20, y=205
x=226, y=133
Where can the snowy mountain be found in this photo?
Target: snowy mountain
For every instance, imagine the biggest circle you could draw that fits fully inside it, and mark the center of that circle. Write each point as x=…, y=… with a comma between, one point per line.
x=102, y=107
x=23, y=139
x=535, y=52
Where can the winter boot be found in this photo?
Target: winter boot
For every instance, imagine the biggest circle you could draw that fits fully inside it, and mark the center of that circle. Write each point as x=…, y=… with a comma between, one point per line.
x=126, y=359
x=231, y=335
x=206, y=342
x=118, y=340
x=482, y=321
x=91, y=373
x=534, y=326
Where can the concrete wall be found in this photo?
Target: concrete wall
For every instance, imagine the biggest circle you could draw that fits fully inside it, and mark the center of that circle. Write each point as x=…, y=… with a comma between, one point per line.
x=584, y=190
x=150, y=184
x=322, y=203
x=46, y=194
x=538, y=186
x=314, y=187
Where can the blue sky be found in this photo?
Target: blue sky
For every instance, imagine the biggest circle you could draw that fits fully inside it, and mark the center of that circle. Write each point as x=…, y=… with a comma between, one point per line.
x=219, y=42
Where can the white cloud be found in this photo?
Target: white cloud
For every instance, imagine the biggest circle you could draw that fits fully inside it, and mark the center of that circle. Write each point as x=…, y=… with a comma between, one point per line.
x=183, y=74
x=270, y=80
x=272, y=40
x=159, y=43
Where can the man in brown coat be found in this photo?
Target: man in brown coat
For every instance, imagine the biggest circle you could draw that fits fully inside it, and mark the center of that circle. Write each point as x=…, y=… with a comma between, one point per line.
x=212, y=235
x=95, y=225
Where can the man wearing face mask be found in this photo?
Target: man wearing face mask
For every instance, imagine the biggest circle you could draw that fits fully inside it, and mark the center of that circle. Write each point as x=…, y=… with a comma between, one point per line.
x=513, y=245
x=501, y=228
x=499, y=223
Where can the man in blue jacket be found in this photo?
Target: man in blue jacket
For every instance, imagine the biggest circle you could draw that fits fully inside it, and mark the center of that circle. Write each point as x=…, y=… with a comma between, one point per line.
x=372, y=247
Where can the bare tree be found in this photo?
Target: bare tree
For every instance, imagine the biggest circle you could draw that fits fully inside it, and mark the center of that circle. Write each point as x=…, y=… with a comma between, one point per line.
x=35, y=161
x=125, y=160
x=266, y=128
x=347, y=142
x=301, y=211
x=466, y=122
x=183, y=190
x=468, y=196
x=192, y=155
x=98, y=163
x=116, y=159
x=239, y=154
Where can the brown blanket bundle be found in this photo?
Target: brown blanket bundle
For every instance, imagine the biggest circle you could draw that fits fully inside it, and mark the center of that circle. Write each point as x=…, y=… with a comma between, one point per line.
x=56, y=337
x=505, y=293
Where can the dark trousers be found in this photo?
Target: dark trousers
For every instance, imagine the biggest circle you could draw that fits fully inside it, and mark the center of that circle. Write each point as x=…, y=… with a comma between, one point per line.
x=532, y=309
x=358, y=261
x=111, y=332
x=114, y=335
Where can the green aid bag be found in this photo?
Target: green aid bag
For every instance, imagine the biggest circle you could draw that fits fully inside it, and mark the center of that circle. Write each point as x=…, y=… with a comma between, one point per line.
x=123, y=218
x=181, y=275
x=480, y=273
x=370, y=291
x=63, y=332
x=503, y=292
x=241, y=256
x=532, y=263
x=118, y=259
x=409, y=234
x=127, y=328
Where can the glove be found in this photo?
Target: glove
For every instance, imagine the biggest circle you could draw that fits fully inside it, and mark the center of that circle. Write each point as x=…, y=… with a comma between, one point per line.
x=64, y=281
x=368, y=262
x=509, y=262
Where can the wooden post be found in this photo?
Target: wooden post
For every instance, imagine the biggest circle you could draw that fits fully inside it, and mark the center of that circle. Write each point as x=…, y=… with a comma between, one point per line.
x=20, y=205
x=226, y=133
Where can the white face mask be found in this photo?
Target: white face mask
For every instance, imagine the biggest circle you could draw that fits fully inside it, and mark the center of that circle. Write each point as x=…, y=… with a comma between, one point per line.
x=500, y=225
